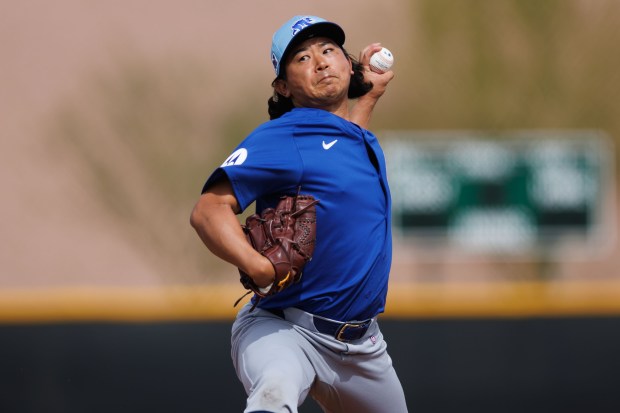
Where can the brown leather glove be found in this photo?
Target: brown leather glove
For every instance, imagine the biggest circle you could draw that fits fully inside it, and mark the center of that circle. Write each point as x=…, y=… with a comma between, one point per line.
x=286, y=236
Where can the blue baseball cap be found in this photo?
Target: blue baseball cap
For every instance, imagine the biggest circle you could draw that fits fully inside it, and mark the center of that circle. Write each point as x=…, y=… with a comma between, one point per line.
x=308, y=25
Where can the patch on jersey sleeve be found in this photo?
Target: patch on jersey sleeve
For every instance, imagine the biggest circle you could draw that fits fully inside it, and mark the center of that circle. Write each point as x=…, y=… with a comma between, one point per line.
x=236, y=158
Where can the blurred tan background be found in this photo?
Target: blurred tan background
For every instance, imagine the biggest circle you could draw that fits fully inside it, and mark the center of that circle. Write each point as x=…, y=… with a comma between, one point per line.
x=112, y=114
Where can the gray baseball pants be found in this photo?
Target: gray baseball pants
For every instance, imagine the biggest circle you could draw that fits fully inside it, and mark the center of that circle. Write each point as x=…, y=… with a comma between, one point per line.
x=280, y=361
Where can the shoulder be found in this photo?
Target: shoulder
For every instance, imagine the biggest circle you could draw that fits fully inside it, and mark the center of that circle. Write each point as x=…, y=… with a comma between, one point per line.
x=273, y=129
x=301, y=122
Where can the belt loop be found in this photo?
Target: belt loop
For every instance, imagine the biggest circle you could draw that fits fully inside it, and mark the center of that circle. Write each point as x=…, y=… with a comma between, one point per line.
x=277, y=313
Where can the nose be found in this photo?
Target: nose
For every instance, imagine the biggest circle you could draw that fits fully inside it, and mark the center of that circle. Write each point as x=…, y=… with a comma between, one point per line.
x=321, y=62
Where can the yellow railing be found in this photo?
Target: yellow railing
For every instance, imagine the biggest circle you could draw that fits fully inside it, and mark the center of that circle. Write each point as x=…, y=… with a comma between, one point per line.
x=215, y=302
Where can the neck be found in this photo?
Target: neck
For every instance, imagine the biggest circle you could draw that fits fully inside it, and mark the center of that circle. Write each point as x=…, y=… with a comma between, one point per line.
x=339, y=109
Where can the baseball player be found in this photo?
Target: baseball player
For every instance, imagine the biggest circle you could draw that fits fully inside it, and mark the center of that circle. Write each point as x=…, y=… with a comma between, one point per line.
x=313, y=334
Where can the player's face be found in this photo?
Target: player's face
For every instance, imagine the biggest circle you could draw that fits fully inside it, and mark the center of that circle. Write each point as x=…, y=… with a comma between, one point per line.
x=318, y=74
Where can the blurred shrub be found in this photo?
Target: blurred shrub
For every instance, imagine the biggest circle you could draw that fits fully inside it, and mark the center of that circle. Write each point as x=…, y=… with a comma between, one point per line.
x=486, y=64
x=147, y=134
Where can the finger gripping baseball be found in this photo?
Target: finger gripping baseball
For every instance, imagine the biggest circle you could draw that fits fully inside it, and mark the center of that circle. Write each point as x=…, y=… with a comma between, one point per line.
x=286, y=236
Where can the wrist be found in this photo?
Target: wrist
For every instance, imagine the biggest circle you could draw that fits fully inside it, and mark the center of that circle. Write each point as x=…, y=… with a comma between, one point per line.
x=266, y=289
x=265, y=274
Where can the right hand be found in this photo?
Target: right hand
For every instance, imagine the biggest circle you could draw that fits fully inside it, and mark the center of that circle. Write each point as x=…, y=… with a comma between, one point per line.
x=379, y=80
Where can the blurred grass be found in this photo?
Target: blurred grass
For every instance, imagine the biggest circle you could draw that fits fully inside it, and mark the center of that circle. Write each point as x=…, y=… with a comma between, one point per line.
x=149, y=132
x=484, y=64
x=147, y=138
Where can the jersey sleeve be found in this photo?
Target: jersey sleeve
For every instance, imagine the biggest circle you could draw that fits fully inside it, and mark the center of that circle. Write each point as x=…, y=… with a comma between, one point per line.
x=267, y=162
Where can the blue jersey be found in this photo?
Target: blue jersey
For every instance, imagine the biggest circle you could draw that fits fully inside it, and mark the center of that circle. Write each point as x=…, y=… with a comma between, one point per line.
x=343, y=166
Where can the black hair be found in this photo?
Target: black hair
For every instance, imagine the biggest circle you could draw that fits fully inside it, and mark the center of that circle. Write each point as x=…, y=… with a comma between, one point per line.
x=278, y=105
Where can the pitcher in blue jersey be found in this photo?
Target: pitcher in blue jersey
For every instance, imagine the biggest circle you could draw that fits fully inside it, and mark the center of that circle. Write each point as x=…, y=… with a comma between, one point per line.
x=319, y=337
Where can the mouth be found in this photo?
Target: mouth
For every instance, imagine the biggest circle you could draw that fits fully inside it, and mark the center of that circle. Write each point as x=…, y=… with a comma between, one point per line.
x=327, y=78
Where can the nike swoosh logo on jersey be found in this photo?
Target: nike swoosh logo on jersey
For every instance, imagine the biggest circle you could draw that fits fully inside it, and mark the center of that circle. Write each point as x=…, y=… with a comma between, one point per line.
x=326, y=146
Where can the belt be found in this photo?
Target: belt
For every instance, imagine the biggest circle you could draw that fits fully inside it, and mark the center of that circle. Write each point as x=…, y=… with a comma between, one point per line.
x=345, y=332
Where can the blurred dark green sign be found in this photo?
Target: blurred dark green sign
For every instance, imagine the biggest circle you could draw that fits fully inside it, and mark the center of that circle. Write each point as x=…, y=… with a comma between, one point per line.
x=507, y=193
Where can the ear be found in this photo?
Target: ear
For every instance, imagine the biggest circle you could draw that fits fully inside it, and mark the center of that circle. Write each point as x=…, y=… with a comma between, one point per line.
x=281, y=87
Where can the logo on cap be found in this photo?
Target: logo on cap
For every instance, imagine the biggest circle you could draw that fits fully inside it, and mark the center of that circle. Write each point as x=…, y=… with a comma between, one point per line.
x=274, y=60
x=299, y=25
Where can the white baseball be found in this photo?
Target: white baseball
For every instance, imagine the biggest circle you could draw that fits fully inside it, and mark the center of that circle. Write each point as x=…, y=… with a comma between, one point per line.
x=381, y=61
